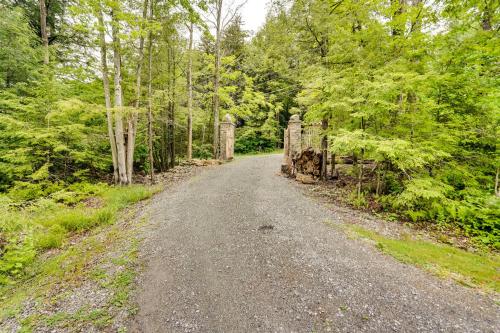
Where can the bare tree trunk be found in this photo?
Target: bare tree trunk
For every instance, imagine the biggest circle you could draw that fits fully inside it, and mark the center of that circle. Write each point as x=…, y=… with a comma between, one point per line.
x=44, y=32
x=324, y=150
x=172, y=111
x=107, y=94
x=360, y=175
x=361, y=162
x=141, y=55
x=132, y=118
x=332, y=170
x=190, y=93
x=150, y=98
x=164, y=134
x=497, y=189
x=377, y=189
x=119, y=131
x=218, y=55
x=169, y=106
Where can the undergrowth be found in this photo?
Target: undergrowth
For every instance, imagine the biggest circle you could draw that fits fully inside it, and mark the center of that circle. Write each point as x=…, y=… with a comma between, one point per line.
x=29, y=229
x=469, y=213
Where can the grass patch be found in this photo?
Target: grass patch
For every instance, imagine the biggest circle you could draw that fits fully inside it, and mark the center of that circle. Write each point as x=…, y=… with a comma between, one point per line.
x=28, y=230
x=98, y=317
x=70, y=267
x=471, y=269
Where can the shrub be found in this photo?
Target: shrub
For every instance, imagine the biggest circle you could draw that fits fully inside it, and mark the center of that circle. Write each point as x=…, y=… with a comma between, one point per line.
x=17, y=252
x=203, y=151
x=358, y=201
x=250, y=141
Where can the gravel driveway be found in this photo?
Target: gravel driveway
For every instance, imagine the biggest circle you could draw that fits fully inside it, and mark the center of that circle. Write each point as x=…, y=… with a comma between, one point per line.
x=240, y=249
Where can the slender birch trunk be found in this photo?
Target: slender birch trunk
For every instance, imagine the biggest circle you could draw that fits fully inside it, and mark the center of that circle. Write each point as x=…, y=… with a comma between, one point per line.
x=107, y=94
x=141, y=54
x=216, y=142
x=132, y=118
x=150, y=98
x=119, y=130
x=44, y=32
x=190, y=93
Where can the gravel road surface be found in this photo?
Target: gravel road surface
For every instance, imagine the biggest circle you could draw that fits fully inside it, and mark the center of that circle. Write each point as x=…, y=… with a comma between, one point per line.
x=240, y=249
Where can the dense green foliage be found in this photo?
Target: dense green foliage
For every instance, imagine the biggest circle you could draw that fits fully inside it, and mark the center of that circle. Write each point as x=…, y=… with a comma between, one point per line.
x=411, y=86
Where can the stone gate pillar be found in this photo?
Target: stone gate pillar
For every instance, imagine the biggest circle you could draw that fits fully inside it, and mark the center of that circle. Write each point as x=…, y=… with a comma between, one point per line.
x=292, y=143
x=227, y=138
x=295, y=136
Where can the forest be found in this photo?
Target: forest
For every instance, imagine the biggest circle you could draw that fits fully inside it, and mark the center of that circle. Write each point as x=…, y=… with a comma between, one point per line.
x=97, y=94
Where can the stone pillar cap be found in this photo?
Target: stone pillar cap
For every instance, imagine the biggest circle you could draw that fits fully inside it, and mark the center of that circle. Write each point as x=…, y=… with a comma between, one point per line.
x=295, y=118
x=227, y=118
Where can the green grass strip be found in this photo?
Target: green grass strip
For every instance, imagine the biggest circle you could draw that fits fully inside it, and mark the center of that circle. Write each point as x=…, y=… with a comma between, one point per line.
x=471, y=269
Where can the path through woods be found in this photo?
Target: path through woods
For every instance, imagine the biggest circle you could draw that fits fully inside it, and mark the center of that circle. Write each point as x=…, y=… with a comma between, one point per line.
x=240, y=249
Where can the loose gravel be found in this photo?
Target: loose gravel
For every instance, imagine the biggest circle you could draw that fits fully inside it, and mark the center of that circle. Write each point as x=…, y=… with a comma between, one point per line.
x=241, y=249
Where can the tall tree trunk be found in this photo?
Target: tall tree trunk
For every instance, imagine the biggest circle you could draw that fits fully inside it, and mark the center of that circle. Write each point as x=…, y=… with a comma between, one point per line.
x=107, y=94
x=119, y=131
x=132, y=118
x=218, y=55
x=324, y=150
x=169, y=106
x=360, y=173
x=332, y=170
x=172, y=111
x=190, y=93
x=380, y=170
x=150, y=98
x=43, y=31
x=164, y=136
x=361, y=161
x=497, y=188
